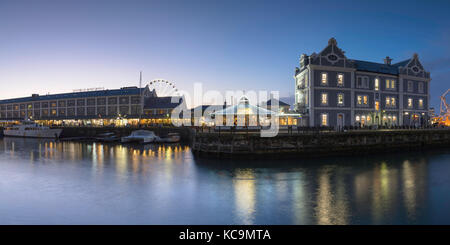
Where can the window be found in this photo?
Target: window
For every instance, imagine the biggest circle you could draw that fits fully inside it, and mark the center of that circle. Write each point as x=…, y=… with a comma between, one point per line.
x=90, y=102
x=393, y=101
x=410, y=86
x=112, y=110
x=61, y=103
x=421, y=87
x=324, y=80
x=71, y=103
x=377, y=84
x=124, y=100
x=377, y=105
x=340, y=99
x=420, y=103
x=135, y=100
x=112, y=100
x=362, y=82
x=101, y=101
x=340, y=80
x=410, y=102
x=53, y=104
x=388, y=101
x=324, y=98
x=90, y=111
x=362, y=100
x=53, y=112
x=357, y=118
x=390, y=84
x=324, y=119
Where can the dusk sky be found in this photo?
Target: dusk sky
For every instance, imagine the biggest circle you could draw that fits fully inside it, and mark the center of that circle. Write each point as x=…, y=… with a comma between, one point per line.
x=58, y=46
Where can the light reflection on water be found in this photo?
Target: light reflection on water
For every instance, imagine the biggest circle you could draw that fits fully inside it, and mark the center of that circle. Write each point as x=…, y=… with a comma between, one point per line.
x=48, y=182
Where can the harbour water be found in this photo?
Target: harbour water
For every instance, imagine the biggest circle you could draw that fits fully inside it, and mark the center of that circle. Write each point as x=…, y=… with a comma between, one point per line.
x=49, y=182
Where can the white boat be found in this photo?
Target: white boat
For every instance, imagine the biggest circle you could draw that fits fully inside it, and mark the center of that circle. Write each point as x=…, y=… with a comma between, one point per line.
x=32, y=130
x=140, y=136
x=171, y=138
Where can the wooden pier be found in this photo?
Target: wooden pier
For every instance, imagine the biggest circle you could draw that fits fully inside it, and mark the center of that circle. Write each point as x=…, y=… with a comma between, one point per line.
x=317, y=143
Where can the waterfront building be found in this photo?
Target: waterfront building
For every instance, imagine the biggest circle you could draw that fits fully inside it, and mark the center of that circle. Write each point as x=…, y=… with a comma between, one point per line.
x=201, y=115
x=285, y=115
x=332, y=90
x=158, y=110
x=115, y=107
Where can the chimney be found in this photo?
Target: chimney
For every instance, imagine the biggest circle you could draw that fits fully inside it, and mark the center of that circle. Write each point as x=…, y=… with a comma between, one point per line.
x=387, y=60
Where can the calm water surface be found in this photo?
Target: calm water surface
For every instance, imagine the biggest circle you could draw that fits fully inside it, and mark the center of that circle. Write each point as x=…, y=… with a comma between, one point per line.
x=48, y=182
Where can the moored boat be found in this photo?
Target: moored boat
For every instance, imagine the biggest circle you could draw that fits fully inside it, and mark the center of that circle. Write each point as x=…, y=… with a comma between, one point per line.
x=32, y=130
x=140, y=136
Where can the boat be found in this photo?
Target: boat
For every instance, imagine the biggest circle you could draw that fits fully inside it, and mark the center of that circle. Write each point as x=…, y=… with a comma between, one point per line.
x=140, y=136
x=32, y=130
x=107, y=137
x=171, y=138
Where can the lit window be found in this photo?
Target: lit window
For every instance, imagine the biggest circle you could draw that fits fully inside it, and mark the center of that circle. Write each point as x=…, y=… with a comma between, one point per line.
x=388, y=101
x=357, y=118
x=324, y=119
x=324, y=78
x=410, y=102
x=359, y=98
x=377, y=105
x=340, y=80
x=421, y=103
x=394, y=118
x=392, y=84
x=363, y=119
x=388, y=83
x=392, y=101
x=324, y=98
x=340, y=99
x=365, y=100
x=377, y=84
x=369, y=118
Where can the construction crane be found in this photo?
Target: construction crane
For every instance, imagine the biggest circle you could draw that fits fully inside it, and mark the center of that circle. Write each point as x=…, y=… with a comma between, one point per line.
x=444, y=115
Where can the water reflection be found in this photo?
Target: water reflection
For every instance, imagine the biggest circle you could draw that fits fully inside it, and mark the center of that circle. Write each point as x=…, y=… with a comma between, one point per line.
x=161, y=184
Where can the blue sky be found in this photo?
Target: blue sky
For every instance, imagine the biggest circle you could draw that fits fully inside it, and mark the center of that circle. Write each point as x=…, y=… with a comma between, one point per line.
x=58, y=46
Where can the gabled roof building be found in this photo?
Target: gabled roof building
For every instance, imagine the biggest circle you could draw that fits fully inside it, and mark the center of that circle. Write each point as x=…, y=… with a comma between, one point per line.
x=333, y=90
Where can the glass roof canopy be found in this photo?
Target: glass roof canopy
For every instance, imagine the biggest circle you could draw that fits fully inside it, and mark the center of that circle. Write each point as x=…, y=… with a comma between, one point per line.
x=244, y=108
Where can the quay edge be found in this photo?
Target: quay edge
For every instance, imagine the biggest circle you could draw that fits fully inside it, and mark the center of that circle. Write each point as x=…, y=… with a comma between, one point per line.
x=317, y=144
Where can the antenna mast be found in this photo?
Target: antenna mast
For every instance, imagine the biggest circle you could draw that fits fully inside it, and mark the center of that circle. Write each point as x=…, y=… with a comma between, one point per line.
x=141, y=97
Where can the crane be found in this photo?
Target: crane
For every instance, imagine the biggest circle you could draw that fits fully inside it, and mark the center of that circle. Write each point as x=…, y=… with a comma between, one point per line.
x=444, y=115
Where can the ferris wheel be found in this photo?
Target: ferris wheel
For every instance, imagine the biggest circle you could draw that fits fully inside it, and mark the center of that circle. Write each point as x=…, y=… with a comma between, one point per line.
x=163, y=88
